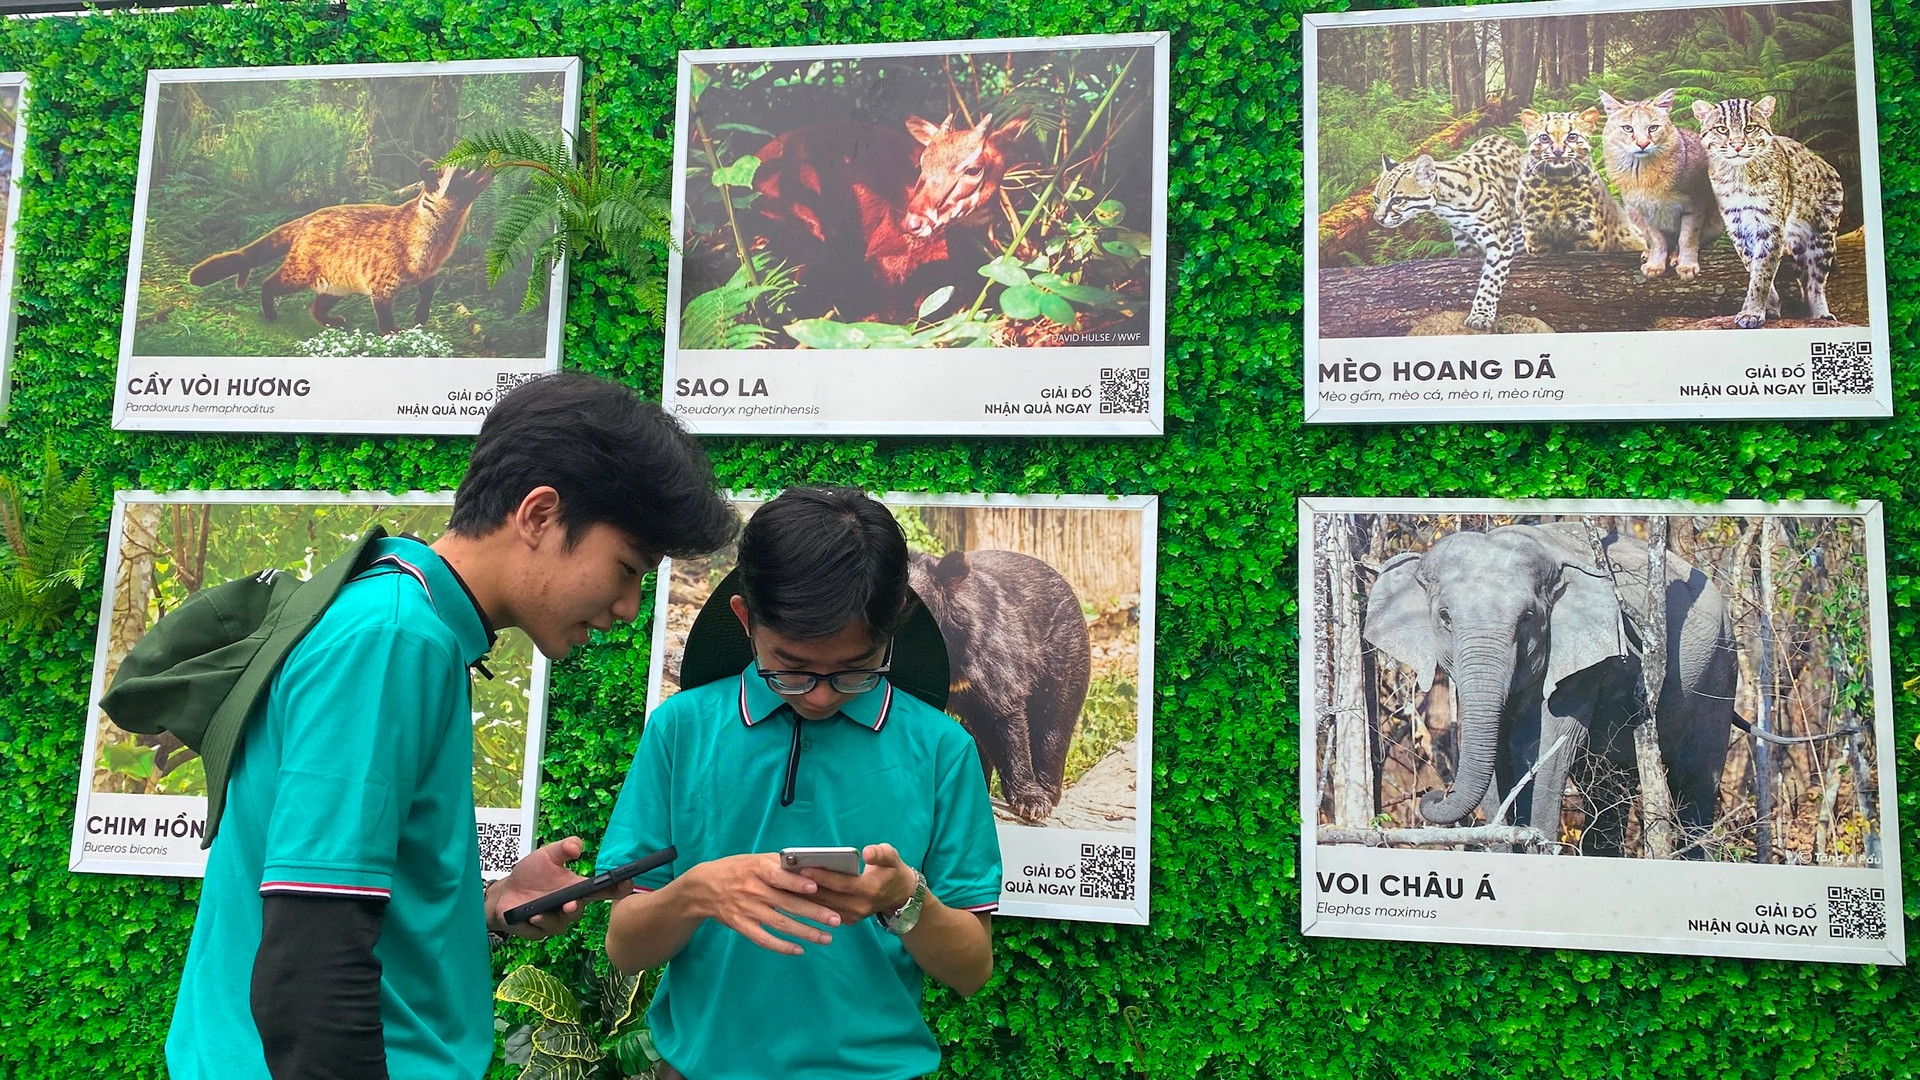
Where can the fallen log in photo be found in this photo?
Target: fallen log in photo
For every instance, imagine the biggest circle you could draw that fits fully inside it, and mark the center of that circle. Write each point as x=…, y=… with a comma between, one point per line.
x=1586, y=292
x=1525, y=837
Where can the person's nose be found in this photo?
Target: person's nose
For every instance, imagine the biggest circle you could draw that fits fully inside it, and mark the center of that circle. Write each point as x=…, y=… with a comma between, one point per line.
x=822, y=697
x=627, y=607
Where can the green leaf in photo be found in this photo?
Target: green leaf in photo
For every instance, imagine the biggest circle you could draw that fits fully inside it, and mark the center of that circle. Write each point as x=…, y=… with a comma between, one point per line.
x=1110, y=212
x=1006, y=270
x=738, y=174
x=1120, y=248
x=131, y=759
x=1021, y=302
x=935, y=300
x=748, y=128
x=1056, y=308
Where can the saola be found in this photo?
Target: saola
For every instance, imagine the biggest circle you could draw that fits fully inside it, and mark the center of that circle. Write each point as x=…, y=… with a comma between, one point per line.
x=366, y=248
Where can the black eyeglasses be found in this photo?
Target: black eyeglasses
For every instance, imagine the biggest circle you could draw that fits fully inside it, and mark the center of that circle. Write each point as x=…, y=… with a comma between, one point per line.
x=795, y=683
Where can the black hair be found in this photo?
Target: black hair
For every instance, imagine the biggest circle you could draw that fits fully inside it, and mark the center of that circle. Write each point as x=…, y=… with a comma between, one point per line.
x=614, y=458
x=816, y=559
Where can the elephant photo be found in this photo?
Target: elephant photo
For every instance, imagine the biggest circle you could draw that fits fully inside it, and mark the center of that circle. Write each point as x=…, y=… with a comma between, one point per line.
x=1021, y=659
x=1544, y=651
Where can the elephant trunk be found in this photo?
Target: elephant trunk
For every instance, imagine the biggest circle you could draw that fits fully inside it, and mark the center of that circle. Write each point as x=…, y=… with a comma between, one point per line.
x=1482, y=672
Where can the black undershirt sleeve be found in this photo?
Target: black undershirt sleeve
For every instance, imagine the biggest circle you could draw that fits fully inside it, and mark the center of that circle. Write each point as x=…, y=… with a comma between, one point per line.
x=316, y=988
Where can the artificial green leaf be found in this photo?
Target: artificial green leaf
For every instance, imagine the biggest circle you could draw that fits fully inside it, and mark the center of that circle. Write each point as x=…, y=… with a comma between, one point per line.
x=566, y=1041
x=528, y=985
x=635, y=1050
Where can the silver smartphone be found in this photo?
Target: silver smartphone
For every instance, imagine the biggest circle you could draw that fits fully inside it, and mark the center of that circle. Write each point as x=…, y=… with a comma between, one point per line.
x=840, y=860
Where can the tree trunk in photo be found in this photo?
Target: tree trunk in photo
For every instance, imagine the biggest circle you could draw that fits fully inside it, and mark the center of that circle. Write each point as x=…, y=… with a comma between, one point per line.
x=1597, y=292
x=1576, y=48
x=1469, y=78
x=1352, y=780
x=1597, y=27
x=1764, y=697
x=1657, y=821
x=1421, y=74
x=1739, y=29
x=1400, y=53
x=1097, y=551
x=1520, y=49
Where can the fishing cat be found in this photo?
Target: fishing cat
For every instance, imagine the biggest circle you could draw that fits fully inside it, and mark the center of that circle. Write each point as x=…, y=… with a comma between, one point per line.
x=1473, y=194
x=368, y=248
x=1561, y=201
x=1779, y=200
x=1661, y=172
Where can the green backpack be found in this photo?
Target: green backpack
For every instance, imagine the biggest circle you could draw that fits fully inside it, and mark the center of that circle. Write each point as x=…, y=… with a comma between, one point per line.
x=200, y=670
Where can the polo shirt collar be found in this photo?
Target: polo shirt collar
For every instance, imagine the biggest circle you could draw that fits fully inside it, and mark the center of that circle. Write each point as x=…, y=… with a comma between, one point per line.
x=758, y=702
x=451, y=599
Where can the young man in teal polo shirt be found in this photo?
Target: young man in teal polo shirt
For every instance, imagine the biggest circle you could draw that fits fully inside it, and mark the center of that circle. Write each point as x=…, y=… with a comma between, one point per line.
x=342, y=930
x=808, y=975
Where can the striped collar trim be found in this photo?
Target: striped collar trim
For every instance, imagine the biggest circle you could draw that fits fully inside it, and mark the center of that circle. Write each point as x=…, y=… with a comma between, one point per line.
x=758, y=701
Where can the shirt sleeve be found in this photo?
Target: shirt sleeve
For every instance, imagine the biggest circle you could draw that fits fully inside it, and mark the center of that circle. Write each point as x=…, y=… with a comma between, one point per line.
x=360, y=716
x=642, y=821
x=963, y=865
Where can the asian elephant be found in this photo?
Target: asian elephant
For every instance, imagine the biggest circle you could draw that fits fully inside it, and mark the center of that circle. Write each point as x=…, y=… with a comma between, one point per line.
x=1531, y=632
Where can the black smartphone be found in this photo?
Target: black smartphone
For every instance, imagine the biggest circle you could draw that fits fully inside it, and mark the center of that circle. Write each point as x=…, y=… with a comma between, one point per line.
x=555, y=900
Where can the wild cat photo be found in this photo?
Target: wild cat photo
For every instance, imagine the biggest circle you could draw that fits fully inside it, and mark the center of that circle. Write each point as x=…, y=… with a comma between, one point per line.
x=305, y=241
x=838, y=207
x=1610, y=682
x=1040, y=603
x=1557, y=176
x=142, y=800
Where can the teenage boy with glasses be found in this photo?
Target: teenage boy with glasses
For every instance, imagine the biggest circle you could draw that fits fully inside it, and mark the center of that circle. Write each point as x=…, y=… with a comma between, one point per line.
x=809, y=974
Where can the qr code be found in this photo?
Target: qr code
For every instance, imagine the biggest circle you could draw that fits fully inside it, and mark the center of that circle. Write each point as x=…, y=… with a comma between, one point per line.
x=1124, y=389
x=1856, y=913
x=499, y=847
x=1106, y=871
x=507, y=380
x=1842, y=367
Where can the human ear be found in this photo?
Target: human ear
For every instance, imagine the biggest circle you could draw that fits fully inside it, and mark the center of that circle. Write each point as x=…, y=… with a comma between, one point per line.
x=537, y=516
x=739, y=607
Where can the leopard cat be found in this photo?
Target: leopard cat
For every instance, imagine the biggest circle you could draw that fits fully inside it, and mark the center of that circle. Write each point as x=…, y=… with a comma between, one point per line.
x=1661, y=173
x=1561, y=201
x=1473, y=194
x=1779, y=200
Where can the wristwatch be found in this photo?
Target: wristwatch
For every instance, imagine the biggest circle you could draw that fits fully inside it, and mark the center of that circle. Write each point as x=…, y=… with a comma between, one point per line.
x=905, y=917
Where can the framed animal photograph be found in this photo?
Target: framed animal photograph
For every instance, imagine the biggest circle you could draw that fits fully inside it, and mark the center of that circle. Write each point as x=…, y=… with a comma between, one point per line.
x=850, y=214
x=142, y=801
x=1594, y=210
x=1515, y=731
x=1046, y=606
x=13, y=138
x=302, y=261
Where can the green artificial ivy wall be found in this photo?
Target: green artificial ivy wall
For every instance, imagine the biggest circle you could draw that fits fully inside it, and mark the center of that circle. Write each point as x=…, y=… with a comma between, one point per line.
x=1221, y=984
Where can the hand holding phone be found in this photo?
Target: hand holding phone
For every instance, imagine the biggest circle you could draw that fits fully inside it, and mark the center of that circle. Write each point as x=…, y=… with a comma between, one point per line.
x=840, y=860
x=558, y=899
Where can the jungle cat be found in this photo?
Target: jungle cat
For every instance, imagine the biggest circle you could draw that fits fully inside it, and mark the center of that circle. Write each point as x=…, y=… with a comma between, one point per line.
x=1473, y=194
x=1661, y=173
x=1561, y=201
x=368, y=248
x=1779, y=199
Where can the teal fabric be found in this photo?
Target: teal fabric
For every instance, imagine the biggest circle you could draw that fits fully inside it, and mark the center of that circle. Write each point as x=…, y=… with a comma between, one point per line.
x=887, y=769
x=357, y=779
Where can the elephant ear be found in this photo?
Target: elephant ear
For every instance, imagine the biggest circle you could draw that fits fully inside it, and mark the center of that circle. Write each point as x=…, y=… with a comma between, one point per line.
x=1585, y=627
x=1398, y=623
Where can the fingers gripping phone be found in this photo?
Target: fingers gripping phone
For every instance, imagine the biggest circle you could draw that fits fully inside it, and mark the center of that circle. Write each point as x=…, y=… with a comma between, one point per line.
x=840, y=860
x=553, y=901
